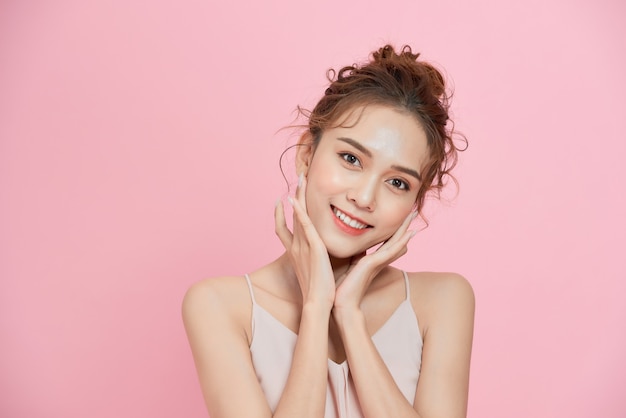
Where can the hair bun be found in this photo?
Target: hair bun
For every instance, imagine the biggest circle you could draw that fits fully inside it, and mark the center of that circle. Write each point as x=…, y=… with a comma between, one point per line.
x=387, y=53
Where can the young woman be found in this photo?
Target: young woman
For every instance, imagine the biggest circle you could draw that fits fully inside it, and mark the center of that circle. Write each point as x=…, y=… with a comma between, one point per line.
x=330, y=329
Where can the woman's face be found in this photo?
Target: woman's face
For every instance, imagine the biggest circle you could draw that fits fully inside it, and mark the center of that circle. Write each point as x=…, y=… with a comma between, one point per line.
x=362, y=180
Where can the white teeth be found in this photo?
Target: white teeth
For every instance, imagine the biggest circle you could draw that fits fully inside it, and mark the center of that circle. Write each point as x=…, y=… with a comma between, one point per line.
x=348, y=221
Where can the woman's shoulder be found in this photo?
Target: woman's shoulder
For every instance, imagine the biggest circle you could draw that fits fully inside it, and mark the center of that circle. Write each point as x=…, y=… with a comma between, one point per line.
x=217, y=290
x=440, y=297
x=425, y=286
x=441, y=283
x=219, y=298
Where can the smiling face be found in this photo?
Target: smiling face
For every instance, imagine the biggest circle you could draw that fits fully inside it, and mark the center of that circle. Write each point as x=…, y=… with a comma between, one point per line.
x=363, y=177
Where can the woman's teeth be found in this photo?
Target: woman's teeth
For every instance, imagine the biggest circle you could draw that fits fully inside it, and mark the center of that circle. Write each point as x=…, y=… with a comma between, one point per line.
x=347, y=220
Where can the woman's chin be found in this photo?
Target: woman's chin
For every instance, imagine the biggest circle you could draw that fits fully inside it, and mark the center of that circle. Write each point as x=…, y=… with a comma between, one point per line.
x=341, y=252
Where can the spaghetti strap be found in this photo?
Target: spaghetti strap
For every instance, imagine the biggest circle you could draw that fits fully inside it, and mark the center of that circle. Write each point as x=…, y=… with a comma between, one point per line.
x=250, y=288
x=406, y=285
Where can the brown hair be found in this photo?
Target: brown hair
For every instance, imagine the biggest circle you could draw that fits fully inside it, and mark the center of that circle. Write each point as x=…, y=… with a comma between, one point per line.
x=401, y=81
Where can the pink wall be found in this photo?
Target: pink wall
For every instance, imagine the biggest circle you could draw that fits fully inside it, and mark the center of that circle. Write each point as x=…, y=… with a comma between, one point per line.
x=138, y=154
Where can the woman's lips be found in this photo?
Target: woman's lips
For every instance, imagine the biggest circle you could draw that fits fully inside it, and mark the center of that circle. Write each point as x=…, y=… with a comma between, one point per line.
x=348, y=223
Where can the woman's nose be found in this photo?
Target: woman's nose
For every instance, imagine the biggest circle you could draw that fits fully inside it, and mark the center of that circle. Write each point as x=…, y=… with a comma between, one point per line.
x=363, y=193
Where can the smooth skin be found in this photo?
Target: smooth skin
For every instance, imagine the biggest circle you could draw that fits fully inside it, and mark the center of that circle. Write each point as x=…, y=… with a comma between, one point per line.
x=334, y=294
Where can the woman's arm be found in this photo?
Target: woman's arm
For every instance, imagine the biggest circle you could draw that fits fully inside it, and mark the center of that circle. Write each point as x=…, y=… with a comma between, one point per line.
x=220, y=346
x=220, y=349
x=444, y=377
x=305, y=391
x=443, y=383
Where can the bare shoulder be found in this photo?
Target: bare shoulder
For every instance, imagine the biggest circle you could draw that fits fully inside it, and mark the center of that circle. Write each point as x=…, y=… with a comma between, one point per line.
x=214, y=292
x=441, y=297
x=441, y=286
x=225, y=299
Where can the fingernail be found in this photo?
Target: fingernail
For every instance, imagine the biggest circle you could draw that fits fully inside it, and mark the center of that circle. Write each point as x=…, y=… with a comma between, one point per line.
x=300, y=179
x=414, y=215
x=412, y=234
x=290, y=200
x=277, y=203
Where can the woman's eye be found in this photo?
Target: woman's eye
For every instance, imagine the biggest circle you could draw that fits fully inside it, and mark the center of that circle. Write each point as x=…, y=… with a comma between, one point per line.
x=350, y=159
x=399, y=184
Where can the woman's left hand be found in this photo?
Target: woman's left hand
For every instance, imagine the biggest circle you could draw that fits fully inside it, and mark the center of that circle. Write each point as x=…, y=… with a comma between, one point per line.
x=352, y=285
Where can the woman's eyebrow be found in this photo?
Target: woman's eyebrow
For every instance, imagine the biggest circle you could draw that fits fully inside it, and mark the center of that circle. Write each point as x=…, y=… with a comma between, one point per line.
x=408, y=171
x=356, y=145
x=367, y=152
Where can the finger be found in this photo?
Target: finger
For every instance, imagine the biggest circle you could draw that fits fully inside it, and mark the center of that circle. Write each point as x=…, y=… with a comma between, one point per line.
x=402, y=229
x=297, y=223
x=301, y=191
x=401, y=248
x=304, y=223
x=300, y=215
x=298, y=184
x=393, y=250
x=280, y=225
x=370, y=264
x=299, y=196
x=404, y=226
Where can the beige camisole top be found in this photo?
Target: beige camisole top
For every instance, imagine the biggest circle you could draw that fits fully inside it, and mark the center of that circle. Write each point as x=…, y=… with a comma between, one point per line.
x=398, y=342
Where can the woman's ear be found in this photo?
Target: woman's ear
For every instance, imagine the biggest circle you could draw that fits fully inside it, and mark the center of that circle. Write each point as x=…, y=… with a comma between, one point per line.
x=304, y=153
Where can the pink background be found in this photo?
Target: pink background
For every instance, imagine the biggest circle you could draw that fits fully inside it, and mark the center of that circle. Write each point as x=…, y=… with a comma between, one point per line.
x=138, y=154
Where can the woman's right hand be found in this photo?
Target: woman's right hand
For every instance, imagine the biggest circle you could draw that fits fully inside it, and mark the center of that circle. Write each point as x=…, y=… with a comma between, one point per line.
x=306, y=251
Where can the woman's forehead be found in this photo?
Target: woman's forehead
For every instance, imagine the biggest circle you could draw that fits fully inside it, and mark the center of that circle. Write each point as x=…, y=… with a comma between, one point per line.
x=385, y=130
x=382, y=121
